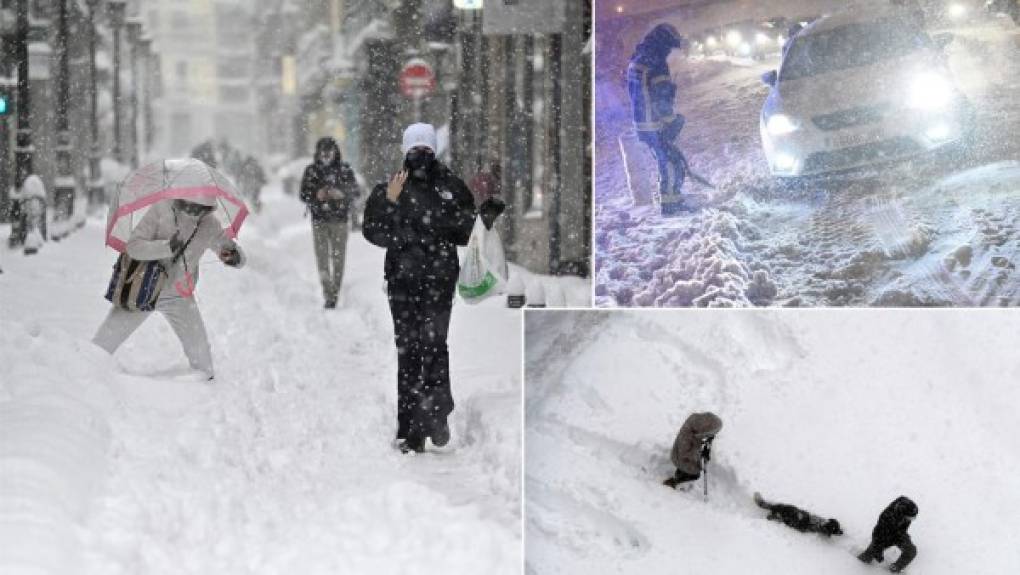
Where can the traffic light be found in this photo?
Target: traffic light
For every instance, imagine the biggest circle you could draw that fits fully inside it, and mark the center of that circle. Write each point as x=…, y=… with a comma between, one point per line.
x=5, y=104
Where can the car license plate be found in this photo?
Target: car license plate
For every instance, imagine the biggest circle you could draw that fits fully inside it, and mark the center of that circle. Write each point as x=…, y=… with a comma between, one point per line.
x=854, y=139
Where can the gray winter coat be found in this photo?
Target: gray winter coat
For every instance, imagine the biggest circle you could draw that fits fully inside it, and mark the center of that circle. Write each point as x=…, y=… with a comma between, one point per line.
x=686, y=454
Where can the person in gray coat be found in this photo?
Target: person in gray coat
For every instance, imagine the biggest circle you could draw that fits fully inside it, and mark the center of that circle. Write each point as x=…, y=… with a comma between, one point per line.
x=693, y=443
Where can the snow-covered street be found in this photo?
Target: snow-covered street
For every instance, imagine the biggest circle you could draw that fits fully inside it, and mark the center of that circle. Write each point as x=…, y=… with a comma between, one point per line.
x=835, y=412
x=941, y=229
x=285, y=463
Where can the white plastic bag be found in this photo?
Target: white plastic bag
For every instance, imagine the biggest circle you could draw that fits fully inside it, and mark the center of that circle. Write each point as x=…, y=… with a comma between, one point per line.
x=483, y=272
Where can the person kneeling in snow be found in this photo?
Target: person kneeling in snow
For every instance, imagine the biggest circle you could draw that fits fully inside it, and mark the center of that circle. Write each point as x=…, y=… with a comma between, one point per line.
x=692, y=446
x=891, y=531
x=178, y=233
x=420, y=217
x=799, y=519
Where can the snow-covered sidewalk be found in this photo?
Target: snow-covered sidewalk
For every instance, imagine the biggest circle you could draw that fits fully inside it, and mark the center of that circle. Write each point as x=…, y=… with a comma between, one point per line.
x=284, y=464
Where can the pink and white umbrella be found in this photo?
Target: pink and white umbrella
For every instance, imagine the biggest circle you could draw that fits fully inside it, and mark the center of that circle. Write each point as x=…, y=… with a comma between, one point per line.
x=186, y=179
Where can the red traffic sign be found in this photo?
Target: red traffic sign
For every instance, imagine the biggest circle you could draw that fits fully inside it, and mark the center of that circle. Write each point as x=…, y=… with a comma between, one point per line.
x=417, y=79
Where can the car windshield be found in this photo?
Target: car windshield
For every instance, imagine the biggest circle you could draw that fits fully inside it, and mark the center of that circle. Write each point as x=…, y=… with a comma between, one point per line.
x=851, y=46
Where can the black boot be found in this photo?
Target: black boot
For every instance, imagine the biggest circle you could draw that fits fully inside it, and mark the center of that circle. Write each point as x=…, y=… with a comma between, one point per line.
x=440, y=433
x=413, y=443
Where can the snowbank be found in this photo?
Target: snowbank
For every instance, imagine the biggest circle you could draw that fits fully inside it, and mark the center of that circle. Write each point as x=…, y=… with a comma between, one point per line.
x=837, y=413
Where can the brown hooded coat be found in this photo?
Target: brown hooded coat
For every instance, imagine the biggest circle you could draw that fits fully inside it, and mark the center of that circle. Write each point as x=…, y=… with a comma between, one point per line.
x=686, y=454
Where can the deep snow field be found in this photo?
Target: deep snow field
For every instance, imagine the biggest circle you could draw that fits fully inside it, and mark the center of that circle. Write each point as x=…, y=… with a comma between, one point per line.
x=284, y=464
x=938, y=230
x=838, y=413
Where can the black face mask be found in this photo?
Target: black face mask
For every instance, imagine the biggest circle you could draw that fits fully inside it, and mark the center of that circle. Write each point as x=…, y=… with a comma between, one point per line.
x=191, y=208
x=419, y=163
x=326, y=158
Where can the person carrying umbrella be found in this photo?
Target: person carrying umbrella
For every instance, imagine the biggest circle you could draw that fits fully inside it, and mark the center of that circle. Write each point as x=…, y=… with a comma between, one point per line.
x=183, y=202
x=420, y=216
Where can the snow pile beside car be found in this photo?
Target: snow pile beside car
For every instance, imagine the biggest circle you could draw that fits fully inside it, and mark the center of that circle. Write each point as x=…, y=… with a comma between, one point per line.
x=694, y=261
x=837, y=413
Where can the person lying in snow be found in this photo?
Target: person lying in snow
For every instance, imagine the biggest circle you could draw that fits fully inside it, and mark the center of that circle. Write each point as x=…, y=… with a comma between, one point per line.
x=891, y=531
x=420, y=216
x=798, y=519
x=693, y=445
x=168, y=229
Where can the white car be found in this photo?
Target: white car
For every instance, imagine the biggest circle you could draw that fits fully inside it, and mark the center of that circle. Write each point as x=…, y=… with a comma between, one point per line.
x=859, y=88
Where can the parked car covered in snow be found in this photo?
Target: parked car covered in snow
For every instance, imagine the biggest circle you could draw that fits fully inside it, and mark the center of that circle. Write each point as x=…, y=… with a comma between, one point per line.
x=858, y=88
x=1010, y=8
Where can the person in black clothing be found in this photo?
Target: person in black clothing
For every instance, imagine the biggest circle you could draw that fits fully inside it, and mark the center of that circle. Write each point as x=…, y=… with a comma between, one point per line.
x=891, y=531
x=329, y=188
x=420, y=216
x=798, y=519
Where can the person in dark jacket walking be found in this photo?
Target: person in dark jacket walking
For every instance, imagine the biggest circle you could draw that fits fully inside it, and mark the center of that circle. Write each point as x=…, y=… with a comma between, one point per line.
x=891, y=531
x=329, y=189
x=652, y=93
x=420, y=216
x=797, y=518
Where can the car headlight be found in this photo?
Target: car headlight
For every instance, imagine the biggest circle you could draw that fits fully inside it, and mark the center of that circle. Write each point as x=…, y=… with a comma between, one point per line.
x=930, y=91
x=780, y=124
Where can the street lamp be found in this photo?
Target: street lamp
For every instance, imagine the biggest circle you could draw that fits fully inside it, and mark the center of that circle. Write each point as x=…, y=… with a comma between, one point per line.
x=145, y=48
x=115, y=11
x=134, y=31
x=64, y=184
x=96, y=193
x=23, y=140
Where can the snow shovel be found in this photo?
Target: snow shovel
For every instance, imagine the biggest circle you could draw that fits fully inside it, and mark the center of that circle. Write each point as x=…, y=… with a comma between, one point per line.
x=692, y=175
x=706, y=446
x=704, y=476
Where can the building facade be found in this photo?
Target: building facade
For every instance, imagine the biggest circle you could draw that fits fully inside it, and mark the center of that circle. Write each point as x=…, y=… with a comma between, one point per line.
x=206, y=74
x=511, y=101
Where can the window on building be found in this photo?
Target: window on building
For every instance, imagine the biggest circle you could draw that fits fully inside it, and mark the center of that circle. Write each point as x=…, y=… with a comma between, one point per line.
x=233, y=67
x=540, y=118
x=179, y=20
x=234, y=93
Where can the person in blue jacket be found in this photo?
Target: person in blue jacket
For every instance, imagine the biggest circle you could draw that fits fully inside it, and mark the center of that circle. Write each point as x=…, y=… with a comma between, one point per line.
x=652, y=93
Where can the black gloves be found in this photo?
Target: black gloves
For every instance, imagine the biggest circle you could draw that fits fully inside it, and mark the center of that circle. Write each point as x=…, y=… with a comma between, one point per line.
x=233, y=258
x=175, y=244
x=706, y=450
x=490, y=210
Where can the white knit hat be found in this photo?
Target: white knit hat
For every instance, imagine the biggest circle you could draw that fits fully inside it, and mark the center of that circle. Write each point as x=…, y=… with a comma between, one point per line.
x=419, y=135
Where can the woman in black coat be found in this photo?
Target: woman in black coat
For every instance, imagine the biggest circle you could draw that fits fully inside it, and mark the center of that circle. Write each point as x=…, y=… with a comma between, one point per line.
x=420, y=216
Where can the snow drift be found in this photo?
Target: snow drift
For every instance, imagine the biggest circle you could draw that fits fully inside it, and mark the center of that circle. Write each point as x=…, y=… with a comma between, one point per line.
x=837, y=413
x=284, y=465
